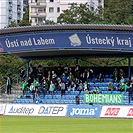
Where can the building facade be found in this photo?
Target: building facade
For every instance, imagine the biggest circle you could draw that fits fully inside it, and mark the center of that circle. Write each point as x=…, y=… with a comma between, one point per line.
x=10, y=11
x=41, y=10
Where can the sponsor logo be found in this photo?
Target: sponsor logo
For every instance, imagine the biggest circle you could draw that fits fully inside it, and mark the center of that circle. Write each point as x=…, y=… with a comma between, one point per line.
x=75, y=40
x=112, y=111
x=50, y=110
x=130, y=112
x=2, y=108
x=83, y=111
x=22, y=110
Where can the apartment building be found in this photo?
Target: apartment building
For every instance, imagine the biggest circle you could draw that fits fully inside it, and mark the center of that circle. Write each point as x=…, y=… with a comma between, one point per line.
x=10, y=10
x=41, y=10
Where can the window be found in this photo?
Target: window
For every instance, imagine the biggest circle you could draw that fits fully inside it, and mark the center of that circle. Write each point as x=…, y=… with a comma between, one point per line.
x=51, y=0
x=51, y=9
x=58, y=9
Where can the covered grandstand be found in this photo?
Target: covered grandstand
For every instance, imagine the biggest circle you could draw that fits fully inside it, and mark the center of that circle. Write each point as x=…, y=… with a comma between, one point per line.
x=53, y=41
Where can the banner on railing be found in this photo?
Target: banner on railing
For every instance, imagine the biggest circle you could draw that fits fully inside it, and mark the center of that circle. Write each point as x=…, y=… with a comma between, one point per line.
x=103, y=98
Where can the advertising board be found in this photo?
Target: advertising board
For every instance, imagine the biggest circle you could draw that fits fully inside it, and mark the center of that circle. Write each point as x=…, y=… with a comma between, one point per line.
x=36, y=110
x=84, y=111
x=73, y=40
x=117, y=111
x=2, y=108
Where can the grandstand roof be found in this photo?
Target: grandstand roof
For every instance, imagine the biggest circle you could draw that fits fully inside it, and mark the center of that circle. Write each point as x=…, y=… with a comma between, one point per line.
x=67, y=27
x=70, y=51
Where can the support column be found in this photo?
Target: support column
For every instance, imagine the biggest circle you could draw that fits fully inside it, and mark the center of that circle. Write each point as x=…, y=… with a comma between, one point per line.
x=77, y=60
x=27, y=67
x=129, y=64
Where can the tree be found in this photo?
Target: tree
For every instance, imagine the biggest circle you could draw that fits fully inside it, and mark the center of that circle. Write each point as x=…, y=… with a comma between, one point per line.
x=78, y=14
x=118, y=12
x=114, y=12
x=25, y=21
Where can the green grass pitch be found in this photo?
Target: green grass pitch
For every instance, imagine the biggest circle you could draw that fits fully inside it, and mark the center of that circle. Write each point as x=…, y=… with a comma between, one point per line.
x=20, y=124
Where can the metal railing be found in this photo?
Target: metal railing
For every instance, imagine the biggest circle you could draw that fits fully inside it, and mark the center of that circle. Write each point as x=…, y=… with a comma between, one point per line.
x=15, y=91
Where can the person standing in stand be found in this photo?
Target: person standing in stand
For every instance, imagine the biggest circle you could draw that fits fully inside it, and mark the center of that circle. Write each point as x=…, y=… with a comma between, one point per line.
x=130, y=93
x=8, y=84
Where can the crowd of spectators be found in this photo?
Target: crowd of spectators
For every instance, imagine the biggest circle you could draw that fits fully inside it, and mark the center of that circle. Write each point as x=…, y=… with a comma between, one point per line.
x=66, y=78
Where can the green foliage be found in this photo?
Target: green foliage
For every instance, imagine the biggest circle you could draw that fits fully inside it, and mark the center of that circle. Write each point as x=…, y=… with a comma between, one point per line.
x=118, y=12
x=12, y=24
x=78, y=15
x=25, y=21
x=114, y=12
x=9, y=65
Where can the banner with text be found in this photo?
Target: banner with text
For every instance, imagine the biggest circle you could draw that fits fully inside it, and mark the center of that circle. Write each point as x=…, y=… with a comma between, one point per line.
x=117, y=111
x=61, y=40
x=103, y=98
x=36, y=110
x=84, y=111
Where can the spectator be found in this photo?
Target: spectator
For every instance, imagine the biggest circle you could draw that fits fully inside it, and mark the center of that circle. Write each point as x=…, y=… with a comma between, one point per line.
x=100, y=77
x=110, y=87
x=121, y=74
x=70, y=78
x=85, y=75
x=22, y=74
x=54, y=77
x=98, y=91
x=31, y=71
x=130, y=93
x=94, y=91
x=77, y=71
x=72, y=86
x=90, y=74
x=44, y=87
x=86, y=86
x=29, y=81
x=62, y=87
x=115, y=75
x=40, y=74
x=77, y=99
x=80, y=88
x=32, y=87
x=122, y=84
x=64, y=78
x=38, y=100
x=24, y=86
x=36, y=93
x=66, y=69
x=8, y=85
x=52, y=88
x=59, y=69
x=77, y=82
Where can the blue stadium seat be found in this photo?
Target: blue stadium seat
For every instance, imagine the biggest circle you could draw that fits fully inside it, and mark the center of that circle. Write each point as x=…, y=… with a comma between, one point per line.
x=105, y=88
x=106, y=76
x=57, y=101
x=81, y=97
x=82, y=93
x=76, y=92
x=58, y=96
x=48, y=101
x=44, y=101
x=105, y=84
x=91, y=84
x=14, y=101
